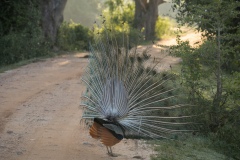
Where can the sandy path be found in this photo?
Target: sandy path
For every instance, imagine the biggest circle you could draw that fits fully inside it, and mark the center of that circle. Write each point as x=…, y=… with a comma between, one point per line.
x=39, y=110
x=40, y=114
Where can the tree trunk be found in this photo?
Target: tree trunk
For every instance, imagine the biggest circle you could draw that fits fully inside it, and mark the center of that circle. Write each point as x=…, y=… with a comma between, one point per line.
x=218, y=95
x=140, y=14
x=146, y=15
x=52, y=17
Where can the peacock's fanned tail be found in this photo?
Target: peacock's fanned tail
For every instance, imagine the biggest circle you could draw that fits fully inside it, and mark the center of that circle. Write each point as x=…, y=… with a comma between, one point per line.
x=123, y=87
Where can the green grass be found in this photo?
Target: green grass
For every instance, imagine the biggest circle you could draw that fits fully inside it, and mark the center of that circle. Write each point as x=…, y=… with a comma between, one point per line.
x=187, y=148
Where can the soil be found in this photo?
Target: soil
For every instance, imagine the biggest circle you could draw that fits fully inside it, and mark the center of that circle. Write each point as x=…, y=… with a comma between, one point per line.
x=40, y=113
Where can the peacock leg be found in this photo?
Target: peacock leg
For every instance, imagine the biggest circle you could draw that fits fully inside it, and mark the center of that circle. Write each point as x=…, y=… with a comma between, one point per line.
x=108, y=150
x=111, y=153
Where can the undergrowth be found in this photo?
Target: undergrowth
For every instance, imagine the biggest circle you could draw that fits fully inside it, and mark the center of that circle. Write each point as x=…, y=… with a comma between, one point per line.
x=187, y=147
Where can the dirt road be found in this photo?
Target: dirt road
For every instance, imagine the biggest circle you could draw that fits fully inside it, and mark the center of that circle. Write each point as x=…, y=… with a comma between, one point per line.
x=40, y=114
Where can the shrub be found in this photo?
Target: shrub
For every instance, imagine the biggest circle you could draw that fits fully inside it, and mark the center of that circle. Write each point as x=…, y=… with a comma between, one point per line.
x=198, y=78
x=116, y=21
x=163, y=27
x=74, y=37
x=20, y=46
x=21, y=36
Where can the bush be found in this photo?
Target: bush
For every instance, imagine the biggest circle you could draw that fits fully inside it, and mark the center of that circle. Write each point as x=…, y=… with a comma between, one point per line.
x=74, y=37
x=163, y=27
x=20, y=46
x=21, y=36
x=117, y=21
x=197, y=77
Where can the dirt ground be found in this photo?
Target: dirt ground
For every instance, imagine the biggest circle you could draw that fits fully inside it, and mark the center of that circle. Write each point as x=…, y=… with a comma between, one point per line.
x=40, y=113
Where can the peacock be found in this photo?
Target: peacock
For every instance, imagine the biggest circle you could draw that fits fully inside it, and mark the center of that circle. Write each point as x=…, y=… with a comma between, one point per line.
x=126, y=97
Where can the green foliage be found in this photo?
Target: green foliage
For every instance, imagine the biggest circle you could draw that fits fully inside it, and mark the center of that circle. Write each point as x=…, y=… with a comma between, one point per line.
x=163, y=27
x=74, y=37
x=232, y=84
x=117, y=18
x=20, y=46
x=198, y=78
x=210, y=16
x=229, y=134
x=118, y=13
x=210, y=72
x=206, y=15
x=188, y=148
x=21, y=36
x=16, y=15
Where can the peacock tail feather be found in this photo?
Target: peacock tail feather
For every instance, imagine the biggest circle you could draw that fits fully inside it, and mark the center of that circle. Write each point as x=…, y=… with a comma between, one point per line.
x=124, y=88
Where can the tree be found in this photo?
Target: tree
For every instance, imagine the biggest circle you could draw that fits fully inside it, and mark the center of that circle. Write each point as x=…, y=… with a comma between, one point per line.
x=118, y=12
x=212, y=87
x=213, y=18
x=52, y=17
x=27, y=27
x=146, y=15
x=117, y=17
x=21, y=35
x=189, y=13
